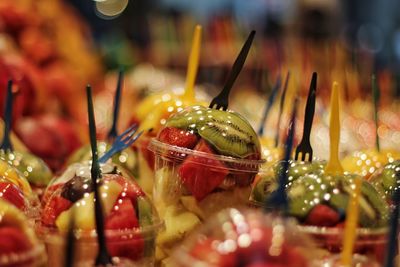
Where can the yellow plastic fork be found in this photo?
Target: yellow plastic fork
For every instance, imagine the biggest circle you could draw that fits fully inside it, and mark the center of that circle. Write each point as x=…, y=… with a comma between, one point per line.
x=334, y=167
x=193, y=65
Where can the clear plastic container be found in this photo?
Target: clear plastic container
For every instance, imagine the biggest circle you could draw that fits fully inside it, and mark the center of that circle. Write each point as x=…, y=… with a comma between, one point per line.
x=19, y=246
x=357, y=261
x=385, y=180
x=205, y=161
x=246, y=237
x=131, y=221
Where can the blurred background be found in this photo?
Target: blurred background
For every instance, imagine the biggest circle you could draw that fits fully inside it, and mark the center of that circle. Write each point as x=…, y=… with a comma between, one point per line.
x=53, y=48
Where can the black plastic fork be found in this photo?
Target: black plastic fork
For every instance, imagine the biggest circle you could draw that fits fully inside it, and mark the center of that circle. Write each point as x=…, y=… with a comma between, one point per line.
x=221, y=101
x=304, y=148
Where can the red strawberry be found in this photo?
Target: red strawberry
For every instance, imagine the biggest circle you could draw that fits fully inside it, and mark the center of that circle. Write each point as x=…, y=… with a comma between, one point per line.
x=49, y=192
x=124, y=217
x=130, y=189
x=200, y=174
x=178, y=137
x=51, y=211
x=203, y=250
x=12, y=194
x=12, y=240
x=322, y=215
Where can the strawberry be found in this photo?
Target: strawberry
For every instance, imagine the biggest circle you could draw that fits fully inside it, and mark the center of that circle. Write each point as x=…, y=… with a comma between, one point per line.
x=202, y=174
x=204, y=250
x=13, y=240
x=178, y=137
x=124, y=217
x=12, y=194
x=130, y=188
x=51, y=211
x=322, y=215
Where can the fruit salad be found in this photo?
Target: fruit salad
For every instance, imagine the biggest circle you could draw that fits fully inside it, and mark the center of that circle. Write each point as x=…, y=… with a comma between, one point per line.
x=131, y=222
x=15, y=189
x=206, y=160
x=266, y=180
x=19, y=247
x=319, y=202
x=366, y=162
x=246, y=238
x=33, y=168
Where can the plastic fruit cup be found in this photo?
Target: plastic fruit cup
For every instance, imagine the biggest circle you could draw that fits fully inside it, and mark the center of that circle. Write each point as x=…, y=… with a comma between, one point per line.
x=183, y=204
x=246, y=237
x=36, y=257
x=369, y=242
x=86, y=245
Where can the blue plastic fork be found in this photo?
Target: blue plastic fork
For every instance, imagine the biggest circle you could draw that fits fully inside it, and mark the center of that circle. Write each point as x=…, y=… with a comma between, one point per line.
x=122, y=141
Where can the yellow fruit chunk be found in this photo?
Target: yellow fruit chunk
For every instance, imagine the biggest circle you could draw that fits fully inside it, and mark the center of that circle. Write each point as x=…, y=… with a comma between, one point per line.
x=366, y=162
x=13, y=175
x=84, y=208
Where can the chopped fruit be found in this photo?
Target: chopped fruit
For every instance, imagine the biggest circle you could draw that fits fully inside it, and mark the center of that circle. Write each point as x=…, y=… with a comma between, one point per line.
x=53, y=209
x=323, y=215
x=130, y=190
x=13, y=240
x=12, y=194
x=122, y=216
x=178, y=137
x=197, y=174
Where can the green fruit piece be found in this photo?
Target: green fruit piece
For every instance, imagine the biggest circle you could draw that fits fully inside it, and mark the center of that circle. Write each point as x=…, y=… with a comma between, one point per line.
x=228, y=132
x=378, y=204
x=305, y=193
x=33, y=168
x=84, y=208
x=264, y=186
x=177, y=224
x=385, y=179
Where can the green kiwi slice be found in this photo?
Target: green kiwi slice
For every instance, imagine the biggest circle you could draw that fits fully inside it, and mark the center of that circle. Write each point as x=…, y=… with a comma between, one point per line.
x=228, y=132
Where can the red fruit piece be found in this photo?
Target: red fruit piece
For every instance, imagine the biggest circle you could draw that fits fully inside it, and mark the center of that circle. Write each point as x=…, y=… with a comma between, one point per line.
x=12, y=240
x=130, y=189
x=12, y=194
x=124, y=217
x=178, y=137
x=322, y=215
x=49, y=192
x=202, y=174
x=53, y=208
x=204, y=251
x=147, y=154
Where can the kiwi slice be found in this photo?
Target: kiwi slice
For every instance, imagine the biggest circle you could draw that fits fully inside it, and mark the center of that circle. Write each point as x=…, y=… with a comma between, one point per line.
x=265, y=186
x=228, y=132
x=304, y=194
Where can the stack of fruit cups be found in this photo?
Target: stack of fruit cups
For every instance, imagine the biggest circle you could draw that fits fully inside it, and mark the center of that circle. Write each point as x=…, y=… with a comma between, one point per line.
x=206, y=160
x=247, y=238
x=19, y=246
x=15, y=189
x=131, y=222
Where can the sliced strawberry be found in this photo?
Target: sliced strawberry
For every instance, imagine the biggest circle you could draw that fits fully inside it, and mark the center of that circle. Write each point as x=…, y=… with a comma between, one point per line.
x=124, y=217
x=12, y=194
x=12, y=240
x=200, y=174
x=322, y=215
x=51, y=211
x=49, y=191
x=204, y=251
x=178, y=137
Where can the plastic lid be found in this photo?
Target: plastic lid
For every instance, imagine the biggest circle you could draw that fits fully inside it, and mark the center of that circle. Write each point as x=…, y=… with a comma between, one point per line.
x=226, y=132
x=314, y=195
x=33, y=168
x=246, y=237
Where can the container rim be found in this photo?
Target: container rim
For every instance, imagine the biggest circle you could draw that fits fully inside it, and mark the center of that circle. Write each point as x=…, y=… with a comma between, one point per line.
x=179, y=153
x=38, y=250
